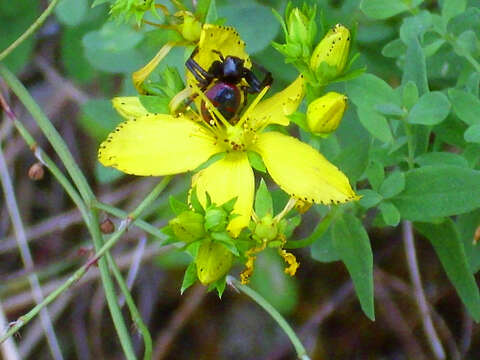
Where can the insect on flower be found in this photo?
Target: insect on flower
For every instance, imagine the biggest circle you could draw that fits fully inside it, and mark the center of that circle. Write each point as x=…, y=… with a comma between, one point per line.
x=222, y=83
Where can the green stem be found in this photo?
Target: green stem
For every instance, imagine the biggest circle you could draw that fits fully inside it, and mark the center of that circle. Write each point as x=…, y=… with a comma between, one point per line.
x=301, y=352
x=107, y=281
x=321, y=228
x=152, y=230
x=23, y=320
x=136, y=317
x=41, y=19
x=50, y=132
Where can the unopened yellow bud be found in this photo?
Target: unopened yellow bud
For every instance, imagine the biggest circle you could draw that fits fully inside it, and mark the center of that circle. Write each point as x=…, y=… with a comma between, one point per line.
x=213, y=261
x=325, y=113
x=129, y=107
x=333, y=49
x=188, y=226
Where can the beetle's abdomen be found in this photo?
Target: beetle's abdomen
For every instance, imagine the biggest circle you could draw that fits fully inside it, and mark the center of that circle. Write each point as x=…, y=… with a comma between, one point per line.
x=225, y=97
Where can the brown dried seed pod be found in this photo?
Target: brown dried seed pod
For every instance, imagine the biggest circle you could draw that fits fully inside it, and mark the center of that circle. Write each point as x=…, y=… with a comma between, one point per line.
x=36, y=171
x=107, y=226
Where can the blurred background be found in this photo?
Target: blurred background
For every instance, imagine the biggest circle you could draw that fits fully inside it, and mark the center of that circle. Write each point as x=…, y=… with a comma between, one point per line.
x=73, y=66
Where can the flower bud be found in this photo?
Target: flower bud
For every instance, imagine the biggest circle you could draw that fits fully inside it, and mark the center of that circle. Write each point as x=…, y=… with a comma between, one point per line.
x=297, y=26
x=213, y=261
x=190, y=28
x=266, y=228
x=188, y=226
x=216, y=219
x=325, y=113
x=107, y=226
x=36, y=171
x=333, y=49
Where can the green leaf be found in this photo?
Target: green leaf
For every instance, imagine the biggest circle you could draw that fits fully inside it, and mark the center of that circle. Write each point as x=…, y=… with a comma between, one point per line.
x=368, y=90
x=390, y=213
x=466, y=43
x=190, y=277
x=390, y=109
x=353, y=159
x=323, y=249
x=177, y=206
x=375, y=174
x=394, y=49
x=248, y=17
x=106, y=175
x=466, y=106
x=369, y=198
x=256, y=161
x=441, y=158
x=414, y=27
x=381, y=9
x=353, y=245
x=415, y=68
x=72, y=56
x=431, y=109
x=15, y=18
x=452, y=8
x=438, y=191
x=71, y=12
x=99, y=118
x=467, y=224
x=111, y=49
x=410, y=94
x=155, y=104
x=376, y=124
x=445, y=240
x=393, y=184
x=473, y=134
x=263, y=201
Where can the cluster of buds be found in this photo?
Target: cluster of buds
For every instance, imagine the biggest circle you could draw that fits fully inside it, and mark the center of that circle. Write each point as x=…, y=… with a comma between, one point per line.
x=300, y=30
x=272, y=232
x=123, y=10
x=207, y=227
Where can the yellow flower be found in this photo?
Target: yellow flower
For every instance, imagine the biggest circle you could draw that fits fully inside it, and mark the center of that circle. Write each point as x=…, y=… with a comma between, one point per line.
x=162, y=144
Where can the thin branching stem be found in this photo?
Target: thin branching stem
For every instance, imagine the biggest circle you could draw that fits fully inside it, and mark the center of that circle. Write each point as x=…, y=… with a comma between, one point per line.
x=420, y=297
x=26, y=255
x=299, y=348
x=112, y=240
x=37, y=23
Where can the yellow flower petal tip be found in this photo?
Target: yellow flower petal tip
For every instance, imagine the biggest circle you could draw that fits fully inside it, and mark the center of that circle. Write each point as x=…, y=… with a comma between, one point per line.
x=325, y=113
x=301, y=171
x=129, y=107
x=333, y=49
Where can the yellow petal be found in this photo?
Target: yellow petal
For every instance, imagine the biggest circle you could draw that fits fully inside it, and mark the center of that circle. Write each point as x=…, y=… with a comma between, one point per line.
x=302, y=171
x=129, y=106
x=223, y=39
x=275, y=109
x=225, y=179
x=155, y=145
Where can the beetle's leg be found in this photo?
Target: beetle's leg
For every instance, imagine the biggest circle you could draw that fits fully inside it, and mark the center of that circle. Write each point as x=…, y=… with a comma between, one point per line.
x=268, y=80
x=219, y=55
x=254, y=85
x=202, y=76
